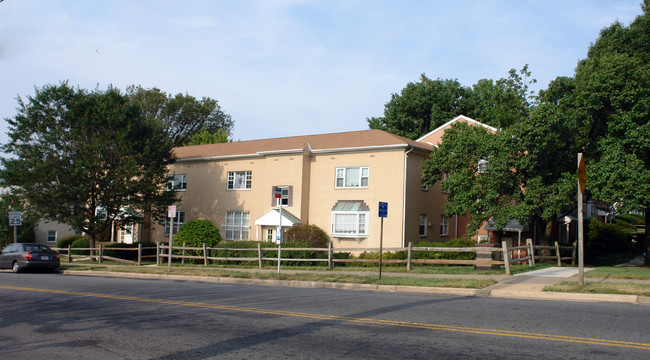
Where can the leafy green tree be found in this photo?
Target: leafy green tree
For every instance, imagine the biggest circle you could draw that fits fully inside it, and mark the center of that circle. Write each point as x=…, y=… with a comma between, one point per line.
x=422, y=106
x=206, y=137
x=425, y=105
x=181, y=116
x=86, y=158
x=612, y=97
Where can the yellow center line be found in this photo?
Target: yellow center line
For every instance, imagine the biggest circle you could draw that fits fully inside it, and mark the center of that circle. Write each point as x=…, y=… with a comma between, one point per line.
x=495, y=332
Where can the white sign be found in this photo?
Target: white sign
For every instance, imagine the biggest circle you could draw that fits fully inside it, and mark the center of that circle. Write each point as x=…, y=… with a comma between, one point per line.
x=171, y=211
x=15, y=218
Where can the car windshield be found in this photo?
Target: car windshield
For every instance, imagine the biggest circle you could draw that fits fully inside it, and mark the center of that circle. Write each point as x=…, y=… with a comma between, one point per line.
x=35, y=247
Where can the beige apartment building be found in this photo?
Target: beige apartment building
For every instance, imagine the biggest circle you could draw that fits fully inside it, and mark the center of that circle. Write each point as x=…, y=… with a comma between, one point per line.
x=334, y=181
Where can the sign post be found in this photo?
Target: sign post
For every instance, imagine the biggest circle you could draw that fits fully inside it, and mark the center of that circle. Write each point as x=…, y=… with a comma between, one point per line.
x=582, y=181
x=15, y=220
x=383, y=212
x=171, y=214
x=279, y=233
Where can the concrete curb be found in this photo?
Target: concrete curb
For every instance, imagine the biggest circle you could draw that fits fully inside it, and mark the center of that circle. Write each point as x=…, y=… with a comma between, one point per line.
x=503, y=293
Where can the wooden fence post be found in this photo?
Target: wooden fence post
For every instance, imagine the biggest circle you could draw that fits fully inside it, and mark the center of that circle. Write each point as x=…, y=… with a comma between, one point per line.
x=101, y=248
x=139, y=254
x=506, y=256
x=330, y=255
x=408, y=258
x=205, y=255
x=573, y=254
x=531, y=252
x=259, y=254
x=69, y=253
x=157, y=253
x=557, y=253
x=183, y=254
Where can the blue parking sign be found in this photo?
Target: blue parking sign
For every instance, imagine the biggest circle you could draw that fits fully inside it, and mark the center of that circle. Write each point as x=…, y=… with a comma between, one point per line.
x=383, y=209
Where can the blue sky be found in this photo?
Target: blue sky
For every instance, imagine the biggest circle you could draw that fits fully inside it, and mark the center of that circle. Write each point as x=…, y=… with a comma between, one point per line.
x=291, y=67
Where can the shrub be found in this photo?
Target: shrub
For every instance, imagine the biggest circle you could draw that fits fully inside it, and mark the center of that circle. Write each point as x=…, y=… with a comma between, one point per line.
x=83, y=243
x=311, y=235
x=68, y=240
x=634, y=219
x=195, y=233
x=606, y=238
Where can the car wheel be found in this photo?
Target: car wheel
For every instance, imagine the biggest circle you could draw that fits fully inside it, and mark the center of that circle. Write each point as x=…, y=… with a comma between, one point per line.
x=15, y=267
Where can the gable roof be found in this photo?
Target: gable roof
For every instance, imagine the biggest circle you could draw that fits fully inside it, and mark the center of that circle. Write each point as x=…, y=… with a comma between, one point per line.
x=448, y=123
x=363, y=140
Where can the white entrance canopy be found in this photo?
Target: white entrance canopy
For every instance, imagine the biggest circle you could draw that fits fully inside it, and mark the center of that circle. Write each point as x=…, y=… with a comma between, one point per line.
x=272, y=218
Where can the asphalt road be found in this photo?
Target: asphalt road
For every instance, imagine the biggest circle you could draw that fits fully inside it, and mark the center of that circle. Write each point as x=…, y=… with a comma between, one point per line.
x=58, y=316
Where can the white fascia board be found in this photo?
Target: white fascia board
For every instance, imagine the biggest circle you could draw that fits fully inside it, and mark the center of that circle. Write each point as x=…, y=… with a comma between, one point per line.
x=280, y=152
x=217, y=158
x=362, y=148
x=454, y=120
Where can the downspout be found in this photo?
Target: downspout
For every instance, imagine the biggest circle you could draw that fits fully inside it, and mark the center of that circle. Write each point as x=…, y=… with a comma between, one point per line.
x=406, y=156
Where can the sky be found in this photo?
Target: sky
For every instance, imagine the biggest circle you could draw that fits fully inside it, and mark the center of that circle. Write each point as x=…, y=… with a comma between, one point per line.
x=291, y=67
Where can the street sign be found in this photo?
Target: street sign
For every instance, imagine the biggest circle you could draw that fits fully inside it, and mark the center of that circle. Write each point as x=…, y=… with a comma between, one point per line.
x=15, y=218
x=278, y=192
x=383, y=209
x=171, y=211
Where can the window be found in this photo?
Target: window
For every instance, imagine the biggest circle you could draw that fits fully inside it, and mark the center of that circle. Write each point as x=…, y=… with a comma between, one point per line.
x=237, y=225
x=422, y=231
x=350, y=219
x=179, y=220
x=51, y=236
x=352, y=177
x=177, y=182
x=239, y=180
x=444, y=225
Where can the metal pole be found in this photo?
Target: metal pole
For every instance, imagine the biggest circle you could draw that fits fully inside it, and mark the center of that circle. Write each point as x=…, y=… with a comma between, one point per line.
x=280, y=236
x=169, y=254
x=15, y=234
x=381, y=244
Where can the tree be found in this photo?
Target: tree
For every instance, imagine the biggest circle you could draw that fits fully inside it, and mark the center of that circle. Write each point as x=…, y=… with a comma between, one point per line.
x=612, y=94
x=86, y=158
x=422, y=106
x=205, y=137
x=425, y=105
x=526, y=173
x=181, y=116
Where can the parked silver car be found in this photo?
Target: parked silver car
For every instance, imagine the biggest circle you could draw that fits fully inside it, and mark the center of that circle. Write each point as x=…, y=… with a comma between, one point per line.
x=21, y=256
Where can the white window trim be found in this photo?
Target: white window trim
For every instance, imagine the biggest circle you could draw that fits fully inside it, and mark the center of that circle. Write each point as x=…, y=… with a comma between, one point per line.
x=423, y=225
x=356, y=234
x=361, y=177
x=444, y=225
x=248, y=180
x=241, y=227
x=56, y=236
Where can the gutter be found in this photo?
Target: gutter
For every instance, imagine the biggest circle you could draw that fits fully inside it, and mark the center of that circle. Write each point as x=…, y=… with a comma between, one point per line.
x=406, y=156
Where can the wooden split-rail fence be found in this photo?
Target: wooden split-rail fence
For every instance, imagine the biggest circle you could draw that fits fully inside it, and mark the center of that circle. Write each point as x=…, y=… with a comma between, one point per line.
x=486, y=257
